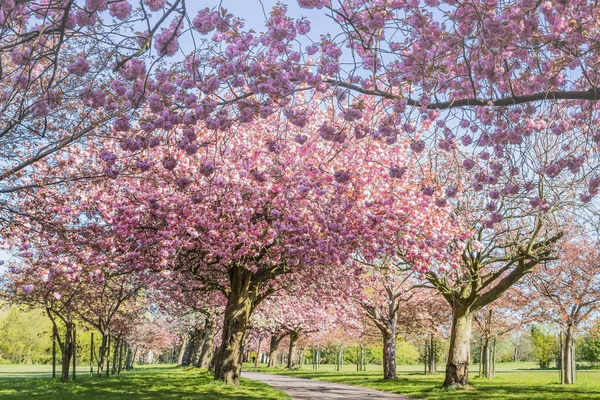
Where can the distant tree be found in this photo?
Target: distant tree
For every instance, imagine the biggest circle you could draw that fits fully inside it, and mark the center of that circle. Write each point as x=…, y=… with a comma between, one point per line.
x=589, y=346
x=570, y=292
x=545, y=346
x=25, y=336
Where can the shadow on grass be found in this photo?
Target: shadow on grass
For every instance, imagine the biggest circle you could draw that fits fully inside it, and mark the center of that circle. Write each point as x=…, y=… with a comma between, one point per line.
x=506, y=386
x=144, y=383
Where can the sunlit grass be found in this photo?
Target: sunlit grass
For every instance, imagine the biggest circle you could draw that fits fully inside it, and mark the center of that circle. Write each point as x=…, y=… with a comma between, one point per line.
x=513, y=381
x=148, y=382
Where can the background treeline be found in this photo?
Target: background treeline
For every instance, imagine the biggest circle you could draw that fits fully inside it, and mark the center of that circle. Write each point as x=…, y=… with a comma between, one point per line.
x=26, y=338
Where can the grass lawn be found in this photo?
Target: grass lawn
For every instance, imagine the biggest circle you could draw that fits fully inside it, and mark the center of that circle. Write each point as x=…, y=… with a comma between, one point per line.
x=512, y=381
x=147, y=382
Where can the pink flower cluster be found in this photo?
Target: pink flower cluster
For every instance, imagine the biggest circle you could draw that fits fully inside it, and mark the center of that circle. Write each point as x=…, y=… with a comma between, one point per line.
x=120, y=10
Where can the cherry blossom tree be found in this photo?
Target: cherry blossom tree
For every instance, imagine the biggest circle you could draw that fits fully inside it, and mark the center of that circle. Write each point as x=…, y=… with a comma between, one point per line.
x=57, y=294
x=569, y=289
x=509, y=313
x=264, y=155
x=386, y=289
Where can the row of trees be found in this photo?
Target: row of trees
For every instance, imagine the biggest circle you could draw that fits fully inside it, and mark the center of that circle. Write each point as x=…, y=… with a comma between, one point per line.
x=397, y=153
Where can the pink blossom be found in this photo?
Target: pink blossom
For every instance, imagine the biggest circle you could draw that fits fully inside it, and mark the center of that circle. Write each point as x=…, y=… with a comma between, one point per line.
x=133, y=69
x=397, y=172
x=83, y=18
x=28, y=288
x=342, y=177
x=120, y=10
x=96, y=5
x=155, y=5
x=79, y=67
x=122, y=124
x=203, y=22
x=20, y=56
x=417, y=146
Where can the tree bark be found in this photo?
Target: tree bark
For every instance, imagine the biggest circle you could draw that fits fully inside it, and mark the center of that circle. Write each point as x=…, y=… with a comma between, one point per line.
x=228, y=364
x=567, y=361
x=189, y=347
x=457, y=367
x=116, y=347
x=67, y=351
x=389, y=352
x=273, y=347
x=294, y=336
x=486, y=358
x=208, y=341
x=257, y=359
x=431, y=364
x=197, y=347
x=182, y=350
x=102, y=355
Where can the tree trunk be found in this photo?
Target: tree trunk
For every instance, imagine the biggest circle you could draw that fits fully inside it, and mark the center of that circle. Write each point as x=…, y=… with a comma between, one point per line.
x=256, y=359
x=431, y=364
x=67, y=351
x=74, y=352
x=208, y=341
x=567, y=362
x=228, y=364
x=457, y=367
x=389, y=353
x=120, y=362
x=197, y=347
x=189, y=347
x=133, y=357
x=116, y=347
x=102, y=355
x=274, y=345
x=182, y=350
x=481, y=359
x=486, y=358
x=294, y=336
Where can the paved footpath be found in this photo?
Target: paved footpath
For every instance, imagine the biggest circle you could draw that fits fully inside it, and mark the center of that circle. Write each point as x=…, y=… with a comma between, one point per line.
x=309, y=389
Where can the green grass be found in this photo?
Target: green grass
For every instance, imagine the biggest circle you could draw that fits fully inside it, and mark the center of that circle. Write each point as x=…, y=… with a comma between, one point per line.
x=147, y=382
x=513, y=381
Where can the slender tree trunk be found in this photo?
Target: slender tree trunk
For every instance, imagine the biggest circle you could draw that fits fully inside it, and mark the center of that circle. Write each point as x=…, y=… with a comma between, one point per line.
x=189, y=347
x=228, y=365
x=116, y=355
x=363, y=355
x=206, y=354
x=74, y=347
x=257, y=358
x=389, y=352
x=67, y=351
x=133, y=357
x=486, y=358
x=54, y=339
x=457, y=367
x=294, y=336
x=120, y=363
x=92, y=354
x=431, y=364
x=108, y=356
x=481, y=359
x=567, y=362
x=493, y=358
x=273, y=347
x=182, y=350
x=197, y=348
x=102, y=354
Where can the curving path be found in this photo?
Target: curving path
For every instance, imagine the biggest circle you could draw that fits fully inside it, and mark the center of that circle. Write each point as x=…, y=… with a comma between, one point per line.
x=308, y=389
